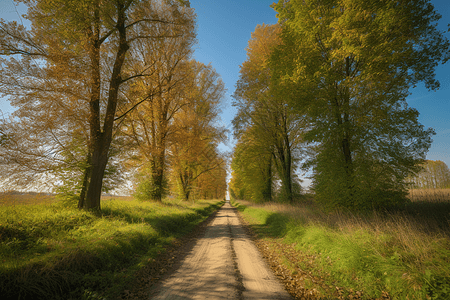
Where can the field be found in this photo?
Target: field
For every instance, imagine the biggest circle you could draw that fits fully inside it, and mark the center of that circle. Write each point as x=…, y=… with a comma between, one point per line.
x=12, y=199
x=429, y=195
x=51, y=250
x=391, y=255
x=15, y=198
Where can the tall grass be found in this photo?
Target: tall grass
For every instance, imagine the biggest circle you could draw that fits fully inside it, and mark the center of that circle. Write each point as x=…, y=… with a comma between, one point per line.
x=401, y=254
x=55, y=251
x=429, y=195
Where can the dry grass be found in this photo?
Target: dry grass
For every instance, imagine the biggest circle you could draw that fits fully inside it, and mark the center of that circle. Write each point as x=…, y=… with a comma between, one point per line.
x=430, y=195
x=409, y=248
x=408, y=230
x=121, y=198
x=11, y=199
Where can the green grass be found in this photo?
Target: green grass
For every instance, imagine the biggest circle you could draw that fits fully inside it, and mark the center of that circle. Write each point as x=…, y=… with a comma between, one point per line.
x=57, y=252
x=391, y=253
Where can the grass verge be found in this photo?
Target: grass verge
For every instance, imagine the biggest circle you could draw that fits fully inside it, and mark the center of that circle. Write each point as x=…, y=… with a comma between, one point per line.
x=346, y=256
x=51, y=251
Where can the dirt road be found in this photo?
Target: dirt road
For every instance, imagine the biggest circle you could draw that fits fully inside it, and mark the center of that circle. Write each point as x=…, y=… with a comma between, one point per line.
x=224, y=264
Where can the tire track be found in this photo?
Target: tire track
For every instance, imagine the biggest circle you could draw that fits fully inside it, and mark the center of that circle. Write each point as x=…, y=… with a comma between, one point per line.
x=237, y=273
x=223, y=264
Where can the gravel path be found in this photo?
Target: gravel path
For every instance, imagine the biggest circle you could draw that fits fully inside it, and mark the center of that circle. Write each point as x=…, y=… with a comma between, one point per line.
x=223, y=264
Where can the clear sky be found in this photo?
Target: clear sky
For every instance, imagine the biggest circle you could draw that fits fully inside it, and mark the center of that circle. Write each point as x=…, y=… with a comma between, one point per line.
x=224, y=28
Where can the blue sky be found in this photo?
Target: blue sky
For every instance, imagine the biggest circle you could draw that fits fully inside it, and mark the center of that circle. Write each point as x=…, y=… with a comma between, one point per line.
x=224, y=28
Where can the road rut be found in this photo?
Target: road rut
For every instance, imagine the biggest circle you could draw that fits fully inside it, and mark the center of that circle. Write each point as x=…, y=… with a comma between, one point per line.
x=223, y=264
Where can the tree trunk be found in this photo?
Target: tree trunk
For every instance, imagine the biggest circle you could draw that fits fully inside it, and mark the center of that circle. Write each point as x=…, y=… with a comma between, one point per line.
x=346, y=135
x=344, y=126
x=158, y=177
x=267, y=192
x=101, y=140
x=84, y=186
x=99, y=161
x=285, y=161
x=288, y=176
x=94, y=104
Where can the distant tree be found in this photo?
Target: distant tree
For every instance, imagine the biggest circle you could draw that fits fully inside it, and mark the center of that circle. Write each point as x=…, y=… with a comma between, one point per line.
x=434, y=175
x=351, y=64
x=237, y=187
x=173, y=135
x=253, y=170
x=213, y=184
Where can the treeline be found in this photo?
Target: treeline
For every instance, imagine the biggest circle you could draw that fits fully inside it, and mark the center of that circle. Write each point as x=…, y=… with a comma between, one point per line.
x=108, y=91
x=434, y=175
x=325, y=90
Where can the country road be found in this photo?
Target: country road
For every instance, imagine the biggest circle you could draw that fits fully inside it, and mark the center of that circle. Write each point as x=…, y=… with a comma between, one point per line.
x=223, y=264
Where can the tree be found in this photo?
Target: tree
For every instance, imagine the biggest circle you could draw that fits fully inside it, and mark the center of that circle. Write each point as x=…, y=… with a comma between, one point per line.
x=194, y=154
x=275, y=128
x=213, y=184
x=237, y=188
x=48, y=113
x=434, y=175
x=351, y=64
x=174, y=133
x=252, y=169
x=96, y=35
x=162, y=93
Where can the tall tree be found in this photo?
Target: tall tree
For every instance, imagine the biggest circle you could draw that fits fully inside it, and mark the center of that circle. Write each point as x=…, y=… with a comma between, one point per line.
x=351, y=64
x=253, y=169
x=264, y=108
x=162, y=93
x=98, y=35
x=48, y=131
x=194, y=152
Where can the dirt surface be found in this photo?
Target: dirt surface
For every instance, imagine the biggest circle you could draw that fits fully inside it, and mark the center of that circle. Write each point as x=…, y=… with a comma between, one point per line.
x=219, y=260
x=223, y=264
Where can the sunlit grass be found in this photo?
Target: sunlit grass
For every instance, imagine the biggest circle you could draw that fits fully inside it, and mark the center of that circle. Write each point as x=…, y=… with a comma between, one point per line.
x=402, y=253
x=77, y=251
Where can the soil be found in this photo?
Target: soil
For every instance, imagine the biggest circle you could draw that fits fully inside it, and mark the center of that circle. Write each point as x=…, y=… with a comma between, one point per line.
x=223, y=258
x=218, y=260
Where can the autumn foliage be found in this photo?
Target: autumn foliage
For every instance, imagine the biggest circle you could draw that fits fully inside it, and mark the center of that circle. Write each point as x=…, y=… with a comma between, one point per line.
x=328, y=92
x=99, y=88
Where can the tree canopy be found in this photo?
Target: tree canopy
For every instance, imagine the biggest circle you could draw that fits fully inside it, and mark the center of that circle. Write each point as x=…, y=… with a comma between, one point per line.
x=352, y=64
x=341, y=70
x=267, y=129
x=83, y=74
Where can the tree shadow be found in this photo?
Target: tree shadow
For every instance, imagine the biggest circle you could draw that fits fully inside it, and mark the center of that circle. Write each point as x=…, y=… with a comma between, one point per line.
x=171, y=224
x=275, y=226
